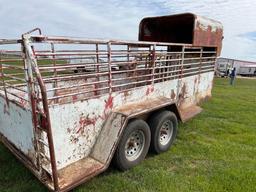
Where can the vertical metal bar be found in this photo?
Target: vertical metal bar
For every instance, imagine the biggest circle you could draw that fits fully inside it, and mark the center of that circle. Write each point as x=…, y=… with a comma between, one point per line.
x=32, y=65
x=128, y=53
x=54, y=62
x=169, y=63
x=109, y=68
x=215, y=61
x=98, y=68
x=97, y=56
x=26, y=70
x=169, y=49
x=33, y=100
x=2, y=74
x=49, y=135
x=55, y=84
x=148, y=58
x=200, y=65
x=153, y=63
x=180, y=72
x=128, y=60
x=164, y=68
x=182, y=60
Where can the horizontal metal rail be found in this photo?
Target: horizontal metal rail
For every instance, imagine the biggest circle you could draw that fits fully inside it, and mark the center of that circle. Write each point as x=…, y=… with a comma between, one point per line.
x=78, y=93
x=72, y=40
x=75, y=86
x=6, y=66
x=72, y=77
x=13, y=77
x=7, y=85
x=96, y=66
x=9, y=41
x=15, y=95
x=133, y=52
x=84, y=64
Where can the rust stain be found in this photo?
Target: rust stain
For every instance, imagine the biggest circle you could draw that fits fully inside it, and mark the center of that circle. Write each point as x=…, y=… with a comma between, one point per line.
x=182, y=94
x=108, y=106
x=149, y=90
x=73, y=172
x=68, y=130
x=83, y=122
x=126, y=93
x=6, y=110
x=208, y=37
x=109, y=103
x=74, y=98
x=195, y=81
x=183, y=91
x=74, y=139
x=31, y=154
x=173, y=95
x=195, y=88
x=23, y=102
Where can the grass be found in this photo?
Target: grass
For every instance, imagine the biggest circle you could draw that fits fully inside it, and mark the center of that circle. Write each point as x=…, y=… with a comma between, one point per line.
x=216, y=151
x=17, y=62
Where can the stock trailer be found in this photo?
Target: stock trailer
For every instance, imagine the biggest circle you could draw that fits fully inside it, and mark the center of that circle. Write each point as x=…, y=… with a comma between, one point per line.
x=69, y=106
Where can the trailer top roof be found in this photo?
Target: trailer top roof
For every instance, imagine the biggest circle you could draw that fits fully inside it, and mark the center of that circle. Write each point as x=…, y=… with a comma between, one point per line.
x=182, y=28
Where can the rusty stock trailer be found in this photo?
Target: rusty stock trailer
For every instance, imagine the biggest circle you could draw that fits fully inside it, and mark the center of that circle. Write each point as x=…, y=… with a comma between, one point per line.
x=66, y=101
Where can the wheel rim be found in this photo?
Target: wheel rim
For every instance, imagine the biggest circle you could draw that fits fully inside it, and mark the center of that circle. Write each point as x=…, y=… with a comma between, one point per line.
x=165, y=133
x=134, y=145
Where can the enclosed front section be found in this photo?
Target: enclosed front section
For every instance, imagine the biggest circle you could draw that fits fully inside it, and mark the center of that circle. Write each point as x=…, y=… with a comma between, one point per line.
x=184, y=28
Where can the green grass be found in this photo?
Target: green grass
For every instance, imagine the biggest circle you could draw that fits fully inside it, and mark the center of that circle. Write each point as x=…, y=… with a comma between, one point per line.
x=216, y=151
x=20, y=72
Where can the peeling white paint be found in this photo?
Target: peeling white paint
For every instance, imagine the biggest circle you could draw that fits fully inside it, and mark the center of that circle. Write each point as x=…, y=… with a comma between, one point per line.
x=16, y=125
x=205, y=23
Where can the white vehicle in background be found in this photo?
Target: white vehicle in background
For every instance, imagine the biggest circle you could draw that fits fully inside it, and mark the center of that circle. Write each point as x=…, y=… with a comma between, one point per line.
x=247, y=70
x=224, y=67
x=84, y=64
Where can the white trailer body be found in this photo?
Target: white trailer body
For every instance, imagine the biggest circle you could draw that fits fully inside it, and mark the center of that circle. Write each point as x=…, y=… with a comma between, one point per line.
x=247, y=70
x=65, y=119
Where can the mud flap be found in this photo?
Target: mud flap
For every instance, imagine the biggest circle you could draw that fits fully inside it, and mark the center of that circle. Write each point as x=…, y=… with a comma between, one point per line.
x=108, y=138
x=189, y=112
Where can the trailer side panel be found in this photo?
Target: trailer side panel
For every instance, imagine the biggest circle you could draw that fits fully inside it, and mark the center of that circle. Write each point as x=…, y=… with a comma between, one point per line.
x=16, y=125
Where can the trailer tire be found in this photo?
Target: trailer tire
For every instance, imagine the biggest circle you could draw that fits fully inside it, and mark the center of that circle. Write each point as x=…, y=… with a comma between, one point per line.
x=163, y=126
x=133, y=145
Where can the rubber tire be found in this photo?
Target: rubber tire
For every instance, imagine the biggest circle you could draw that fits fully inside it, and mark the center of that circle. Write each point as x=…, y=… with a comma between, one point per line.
x=155, y=122
x=120, y=160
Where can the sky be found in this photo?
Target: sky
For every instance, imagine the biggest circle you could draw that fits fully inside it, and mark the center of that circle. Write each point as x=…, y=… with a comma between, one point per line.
x=113, y=19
